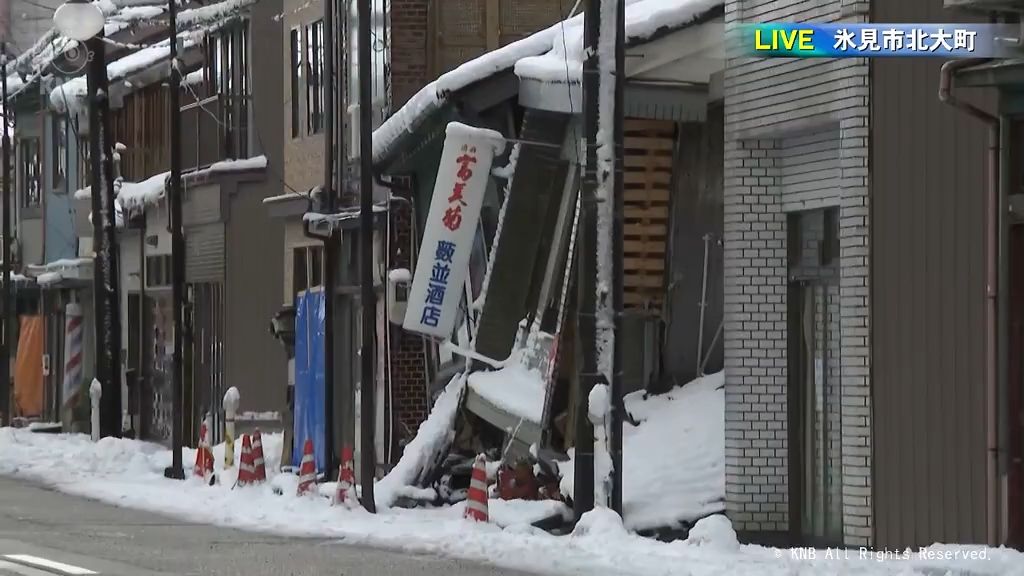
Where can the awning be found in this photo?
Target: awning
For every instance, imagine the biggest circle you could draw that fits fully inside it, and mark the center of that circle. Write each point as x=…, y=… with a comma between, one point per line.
x=64, y=273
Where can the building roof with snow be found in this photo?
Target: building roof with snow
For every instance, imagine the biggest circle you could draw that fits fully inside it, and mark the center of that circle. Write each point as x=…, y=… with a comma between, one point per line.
x=137, y=42
x=553, y=55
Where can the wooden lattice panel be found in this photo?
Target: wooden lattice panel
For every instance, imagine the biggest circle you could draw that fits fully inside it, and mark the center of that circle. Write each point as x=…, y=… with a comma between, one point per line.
x=647, y=182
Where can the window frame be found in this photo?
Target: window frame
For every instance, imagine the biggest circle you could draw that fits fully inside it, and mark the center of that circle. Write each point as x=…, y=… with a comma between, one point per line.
x=314, y=51
x=59, y=126
x=30, y=172
x=296, y=63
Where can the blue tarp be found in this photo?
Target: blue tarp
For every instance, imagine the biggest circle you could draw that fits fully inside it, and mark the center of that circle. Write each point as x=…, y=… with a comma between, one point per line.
x=309, y=377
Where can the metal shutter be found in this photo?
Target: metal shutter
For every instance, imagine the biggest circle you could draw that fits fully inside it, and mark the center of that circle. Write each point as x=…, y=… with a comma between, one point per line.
x=204, y=253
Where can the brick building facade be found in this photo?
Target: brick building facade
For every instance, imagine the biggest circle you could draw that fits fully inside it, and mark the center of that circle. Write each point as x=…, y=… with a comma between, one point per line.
x=796, y=144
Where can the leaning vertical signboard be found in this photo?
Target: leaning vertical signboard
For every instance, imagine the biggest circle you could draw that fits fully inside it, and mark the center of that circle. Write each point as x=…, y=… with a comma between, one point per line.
x=462, y=176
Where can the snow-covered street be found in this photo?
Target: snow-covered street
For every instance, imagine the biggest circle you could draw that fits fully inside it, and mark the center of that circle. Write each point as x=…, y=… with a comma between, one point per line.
x=128, y=473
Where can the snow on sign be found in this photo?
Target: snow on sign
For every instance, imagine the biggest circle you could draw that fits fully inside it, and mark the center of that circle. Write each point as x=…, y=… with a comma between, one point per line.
x=438, y=284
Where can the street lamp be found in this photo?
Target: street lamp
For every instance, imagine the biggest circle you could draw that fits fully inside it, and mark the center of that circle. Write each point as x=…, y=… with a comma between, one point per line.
x=79, y=20
x=83, y=21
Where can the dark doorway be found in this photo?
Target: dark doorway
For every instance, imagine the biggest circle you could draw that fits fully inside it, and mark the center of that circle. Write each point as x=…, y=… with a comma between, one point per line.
x=815, y=389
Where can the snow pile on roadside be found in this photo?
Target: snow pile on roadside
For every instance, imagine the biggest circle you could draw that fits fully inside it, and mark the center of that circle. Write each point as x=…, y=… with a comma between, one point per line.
x=129, y=473
x=674, y=459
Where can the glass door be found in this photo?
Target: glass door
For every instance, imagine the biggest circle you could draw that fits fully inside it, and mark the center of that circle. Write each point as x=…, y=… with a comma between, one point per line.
x=815, y=385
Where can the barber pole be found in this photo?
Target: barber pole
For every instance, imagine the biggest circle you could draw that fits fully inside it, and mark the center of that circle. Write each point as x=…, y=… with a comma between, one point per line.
x=74, y=331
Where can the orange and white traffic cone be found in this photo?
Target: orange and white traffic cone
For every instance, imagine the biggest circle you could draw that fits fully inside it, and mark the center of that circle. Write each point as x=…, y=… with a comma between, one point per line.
x=246, y=469
x=204, y=456
x=257, y=456
x=476, y=500
x=346, y=479
x=307, y=471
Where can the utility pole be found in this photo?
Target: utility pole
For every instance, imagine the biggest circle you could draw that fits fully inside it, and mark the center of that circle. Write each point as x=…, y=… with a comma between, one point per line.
x=177, y=251
x=8, y=289
x=583, y=489
x=331, y=240
x=618, y=410
x=368, y=382
x=105, y=273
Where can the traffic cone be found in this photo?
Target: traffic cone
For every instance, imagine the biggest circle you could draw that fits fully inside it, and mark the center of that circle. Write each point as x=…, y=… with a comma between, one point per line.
x=307, y=471
x=476, y=500
x=204, y=456
x=246, y=469
x=346, y=478
x=257, y=456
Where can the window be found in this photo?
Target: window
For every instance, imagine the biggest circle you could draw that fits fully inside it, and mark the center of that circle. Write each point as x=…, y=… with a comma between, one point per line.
x=158, y=271
x=29, y=172
x=307, y=268
x=59, y=152
x=84, y=167
x=315, y=77
x=296, y=76
x=227, y=62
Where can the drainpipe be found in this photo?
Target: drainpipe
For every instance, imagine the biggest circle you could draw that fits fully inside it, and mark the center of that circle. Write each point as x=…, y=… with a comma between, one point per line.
x=949, y=69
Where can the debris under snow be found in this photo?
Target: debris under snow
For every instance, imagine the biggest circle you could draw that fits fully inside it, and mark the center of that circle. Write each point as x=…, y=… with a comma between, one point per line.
x=666, y=483
x=516, y=389
x=432, y=439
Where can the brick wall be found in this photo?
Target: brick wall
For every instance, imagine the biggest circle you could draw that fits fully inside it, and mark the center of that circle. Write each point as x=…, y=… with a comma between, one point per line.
x=408, y=364
x=409, y=53
x=796, y=139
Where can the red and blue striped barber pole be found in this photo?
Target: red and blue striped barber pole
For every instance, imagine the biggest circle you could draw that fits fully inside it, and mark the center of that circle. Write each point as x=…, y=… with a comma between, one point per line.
x=74, y=334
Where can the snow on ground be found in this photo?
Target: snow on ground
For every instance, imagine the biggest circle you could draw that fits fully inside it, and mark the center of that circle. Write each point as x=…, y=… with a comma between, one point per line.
x=673, y=461
x=129, y=473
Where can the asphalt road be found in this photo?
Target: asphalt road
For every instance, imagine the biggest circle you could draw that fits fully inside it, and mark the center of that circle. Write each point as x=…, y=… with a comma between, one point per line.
x=43, y=533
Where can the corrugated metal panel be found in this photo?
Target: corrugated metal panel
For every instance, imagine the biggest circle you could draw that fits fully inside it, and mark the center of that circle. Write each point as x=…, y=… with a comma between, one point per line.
x=202, y=205
x=697, y=211
x=665, y=103
x=204, y=253
x=928, y=298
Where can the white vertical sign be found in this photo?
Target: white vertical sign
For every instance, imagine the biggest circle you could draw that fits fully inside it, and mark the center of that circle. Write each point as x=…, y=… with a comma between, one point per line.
x=462, y=175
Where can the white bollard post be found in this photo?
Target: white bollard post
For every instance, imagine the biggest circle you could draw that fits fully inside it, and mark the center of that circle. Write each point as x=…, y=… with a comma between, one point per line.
x=231, y=400
x=95, y=393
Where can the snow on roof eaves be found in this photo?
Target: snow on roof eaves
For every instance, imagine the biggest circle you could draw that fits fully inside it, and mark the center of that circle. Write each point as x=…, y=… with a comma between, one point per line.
x=135, y=196
x=192, y=24
x=34, y=61
x=534, y=55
